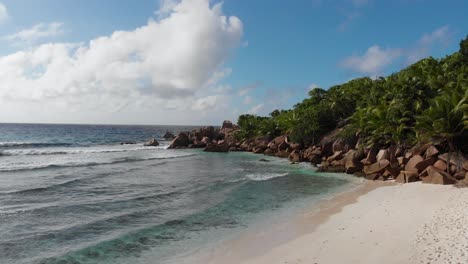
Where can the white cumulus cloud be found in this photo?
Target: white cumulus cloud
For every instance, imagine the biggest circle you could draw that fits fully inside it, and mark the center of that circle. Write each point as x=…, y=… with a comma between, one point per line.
x=3, y=13
x=167, y=64
x=373, y=61
x=441, y=36
x=205, y=103
x=36, y=32
x=376, y=59
x=166, y=7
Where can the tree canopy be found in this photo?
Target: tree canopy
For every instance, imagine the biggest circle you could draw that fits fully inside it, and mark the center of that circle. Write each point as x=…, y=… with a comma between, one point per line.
x=424, y=102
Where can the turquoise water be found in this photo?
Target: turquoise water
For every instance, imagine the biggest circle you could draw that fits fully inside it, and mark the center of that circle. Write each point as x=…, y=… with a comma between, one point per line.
x=73, y=194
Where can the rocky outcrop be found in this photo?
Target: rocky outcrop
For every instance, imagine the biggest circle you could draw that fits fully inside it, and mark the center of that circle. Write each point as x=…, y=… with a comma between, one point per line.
x=376, y=168
x=371, y=157
x=258, y=149
x=336, y=156
x=282, y=154
x=227, y=124
x=128, y=143
x=181, y=141
x=197, y=144
x=228, y=128
x=411, y=165
x=420, y=149
x=351, y=161
x=383, y=154
x=407, y=176
x=168, y=135
x=223, y=147
x=422, y=165
x=327, y=148
x=312, y=155
x=431, y=152
x=436, y=176
x=423, y=162
x=269, y=152
x=206, y=140
x=441, y=165
x=259, y=145
x=402, y=161
x=296, y=156
x=338, y=145
x=204, y=137
x=463, y=183
x=296, y=146
x=208, y=131
x=456, y=158
x=280, y=139
x=153, y=143
x=283, y=146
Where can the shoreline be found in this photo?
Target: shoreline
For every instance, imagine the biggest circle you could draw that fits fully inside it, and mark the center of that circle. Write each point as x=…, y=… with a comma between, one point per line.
x=429, y=162
x=273, y=233
x=377, y=222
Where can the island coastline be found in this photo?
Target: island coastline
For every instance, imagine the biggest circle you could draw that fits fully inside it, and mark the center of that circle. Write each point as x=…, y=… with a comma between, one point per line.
x=376, y=222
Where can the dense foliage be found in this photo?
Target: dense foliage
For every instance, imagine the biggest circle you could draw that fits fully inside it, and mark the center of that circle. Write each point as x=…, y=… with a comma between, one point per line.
x=427, y=101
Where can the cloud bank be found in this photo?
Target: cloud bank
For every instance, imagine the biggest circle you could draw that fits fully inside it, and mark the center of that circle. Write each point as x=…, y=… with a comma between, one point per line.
x=373, y=60
x=36, y=32
x=167, y=64
x=376, y=59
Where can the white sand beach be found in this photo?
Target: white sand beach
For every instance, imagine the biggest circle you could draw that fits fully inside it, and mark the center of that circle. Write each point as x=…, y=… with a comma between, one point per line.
x=410, y=223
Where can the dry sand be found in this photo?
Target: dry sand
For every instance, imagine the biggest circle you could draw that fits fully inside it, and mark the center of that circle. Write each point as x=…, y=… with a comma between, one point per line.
x=409, y=223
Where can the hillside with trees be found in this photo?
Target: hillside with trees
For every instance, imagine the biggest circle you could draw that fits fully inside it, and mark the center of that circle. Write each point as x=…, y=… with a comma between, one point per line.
x=425, y=102
x=409, y=126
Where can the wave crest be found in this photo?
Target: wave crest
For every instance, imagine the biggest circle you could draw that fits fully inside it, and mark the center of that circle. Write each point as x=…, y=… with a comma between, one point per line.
x=71, y=151
x=13, y=144
x=264, y=176
x=92, y=163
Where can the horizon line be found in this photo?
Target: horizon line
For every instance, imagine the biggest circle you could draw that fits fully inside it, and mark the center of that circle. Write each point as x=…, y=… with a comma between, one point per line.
x=97, y=124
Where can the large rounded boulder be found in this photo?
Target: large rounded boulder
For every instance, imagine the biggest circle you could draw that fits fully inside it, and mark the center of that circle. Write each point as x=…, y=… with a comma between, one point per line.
x=168, y=135
x=181, y=141
x=152, y=143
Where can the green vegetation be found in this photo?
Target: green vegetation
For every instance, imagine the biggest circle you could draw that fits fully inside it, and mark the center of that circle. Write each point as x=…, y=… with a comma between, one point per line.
x=427, y=101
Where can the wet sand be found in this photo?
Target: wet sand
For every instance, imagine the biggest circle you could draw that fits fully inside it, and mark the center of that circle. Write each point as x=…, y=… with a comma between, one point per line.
x=374, y=223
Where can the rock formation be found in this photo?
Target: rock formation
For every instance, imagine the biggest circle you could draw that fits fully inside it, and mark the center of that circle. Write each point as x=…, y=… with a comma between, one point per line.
x=153, y=143
x=168, y=135
x=423, y=162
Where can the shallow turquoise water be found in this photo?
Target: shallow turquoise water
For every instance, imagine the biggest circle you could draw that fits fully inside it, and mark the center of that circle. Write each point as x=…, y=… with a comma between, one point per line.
x=96, y=201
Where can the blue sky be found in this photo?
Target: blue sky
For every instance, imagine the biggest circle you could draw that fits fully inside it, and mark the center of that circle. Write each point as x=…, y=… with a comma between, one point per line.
x=267, y=56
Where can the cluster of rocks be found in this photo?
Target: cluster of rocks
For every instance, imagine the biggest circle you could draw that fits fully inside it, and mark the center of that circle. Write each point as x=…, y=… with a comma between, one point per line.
x=210, y=138
x=152, y=143
x=423, y=162
x=128, y=143
x=168, y=135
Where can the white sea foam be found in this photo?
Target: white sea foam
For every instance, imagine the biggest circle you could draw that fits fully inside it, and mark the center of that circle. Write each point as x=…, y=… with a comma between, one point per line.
x=78, y=150
x=264, y=176
x=85, y=161
x=22, y=144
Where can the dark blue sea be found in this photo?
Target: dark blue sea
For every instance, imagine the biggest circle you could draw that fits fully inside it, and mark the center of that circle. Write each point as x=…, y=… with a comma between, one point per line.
x=74, y=194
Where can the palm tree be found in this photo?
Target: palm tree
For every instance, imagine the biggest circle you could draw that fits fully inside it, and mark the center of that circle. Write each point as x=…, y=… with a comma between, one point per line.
x=447, y=117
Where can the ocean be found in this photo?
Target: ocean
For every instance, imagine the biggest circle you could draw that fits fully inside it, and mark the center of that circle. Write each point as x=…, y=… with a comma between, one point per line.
x=75, y=194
